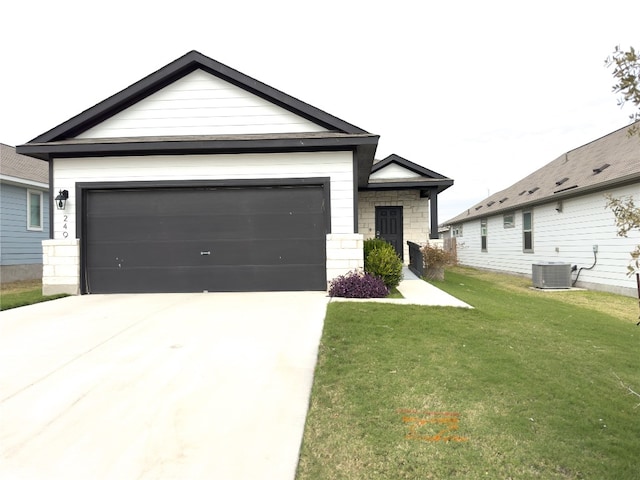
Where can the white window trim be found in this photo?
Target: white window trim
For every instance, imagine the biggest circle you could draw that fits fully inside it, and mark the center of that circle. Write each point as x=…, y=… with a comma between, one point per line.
x=484, y=225
x=527, y=250
x=37, y=228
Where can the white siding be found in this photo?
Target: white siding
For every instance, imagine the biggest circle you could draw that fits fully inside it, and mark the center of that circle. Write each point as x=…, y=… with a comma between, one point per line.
x=336, y=165
x=200, y=104
x=567, y=236
x=393, y=171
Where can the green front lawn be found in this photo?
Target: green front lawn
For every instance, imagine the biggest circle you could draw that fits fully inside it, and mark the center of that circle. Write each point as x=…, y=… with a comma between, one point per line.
x=19, y=294
x=526, y=385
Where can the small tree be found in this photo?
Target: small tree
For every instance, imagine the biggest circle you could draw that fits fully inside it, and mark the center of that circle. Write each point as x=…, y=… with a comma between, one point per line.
x=627, y=219
x=626, y=71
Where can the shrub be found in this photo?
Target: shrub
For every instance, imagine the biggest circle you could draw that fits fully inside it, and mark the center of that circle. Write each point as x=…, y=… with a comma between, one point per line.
x=385, y=264
x=372, y=244
x=357, y=285
x=436, y=257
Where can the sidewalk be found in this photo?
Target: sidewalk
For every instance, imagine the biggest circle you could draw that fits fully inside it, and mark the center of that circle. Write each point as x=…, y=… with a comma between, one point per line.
x=415, y=292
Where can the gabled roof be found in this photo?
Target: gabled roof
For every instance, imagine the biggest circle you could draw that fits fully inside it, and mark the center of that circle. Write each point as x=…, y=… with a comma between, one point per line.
x=408, y=176
x=60, y=141
x=176, y=70
x=610, y=161
x=16, y=168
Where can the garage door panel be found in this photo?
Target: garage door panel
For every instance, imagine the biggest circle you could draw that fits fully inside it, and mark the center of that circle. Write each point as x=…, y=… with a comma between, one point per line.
x=212, y=226
x=123, y=255
x=221, y=279
x=178, y=201
x=217, y=239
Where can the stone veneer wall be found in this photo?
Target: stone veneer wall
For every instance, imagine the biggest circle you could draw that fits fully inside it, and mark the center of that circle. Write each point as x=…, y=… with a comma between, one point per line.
x=344, y=253
x=61, y=266
x=415, y=214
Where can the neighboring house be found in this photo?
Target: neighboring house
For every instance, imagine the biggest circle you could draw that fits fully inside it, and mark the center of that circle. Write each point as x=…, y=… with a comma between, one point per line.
x=559, y=214
x=200, y=178
x=24, y=215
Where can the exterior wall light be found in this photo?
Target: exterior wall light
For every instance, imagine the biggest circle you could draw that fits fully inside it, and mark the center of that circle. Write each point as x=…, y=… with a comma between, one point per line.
x=61, y=199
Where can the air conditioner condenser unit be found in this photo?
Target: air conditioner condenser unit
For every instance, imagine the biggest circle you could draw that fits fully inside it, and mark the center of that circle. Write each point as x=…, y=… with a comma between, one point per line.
x=551, y=275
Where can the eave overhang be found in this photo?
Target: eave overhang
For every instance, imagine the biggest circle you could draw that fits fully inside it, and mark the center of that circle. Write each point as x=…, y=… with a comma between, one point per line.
x=486, y=212
x=425, y=186
x=363, y=146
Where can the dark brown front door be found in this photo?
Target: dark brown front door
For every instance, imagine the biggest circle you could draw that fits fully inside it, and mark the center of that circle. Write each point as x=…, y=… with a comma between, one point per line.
x=389, y=226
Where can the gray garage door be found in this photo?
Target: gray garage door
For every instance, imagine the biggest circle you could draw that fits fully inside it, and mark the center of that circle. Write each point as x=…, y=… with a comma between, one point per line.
x=196, y=239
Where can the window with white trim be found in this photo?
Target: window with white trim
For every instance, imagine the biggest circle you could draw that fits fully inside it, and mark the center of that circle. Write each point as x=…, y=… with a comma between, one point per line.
x=456, y=230
x=34, y=210
x=508, y=220
x=483, y=234
x=527, y=232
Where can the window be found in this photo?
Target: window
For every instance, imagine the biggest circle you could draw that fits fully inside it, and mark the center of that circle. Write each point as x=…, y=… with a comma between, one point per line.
x=456, y=230
x=34, y=210
x=508, y=220
x=527, y=232
x=483, y=234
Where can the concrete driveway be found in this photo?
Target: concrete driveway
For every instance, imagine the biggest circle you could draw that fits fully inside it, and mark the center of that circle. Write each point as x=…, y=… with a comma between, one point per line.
x=177, y=386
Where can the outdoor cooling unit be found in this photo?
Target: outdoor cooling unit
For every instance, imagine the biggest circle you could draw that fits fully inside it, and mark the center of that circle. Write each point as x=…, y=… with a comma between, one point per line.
x=551, y=275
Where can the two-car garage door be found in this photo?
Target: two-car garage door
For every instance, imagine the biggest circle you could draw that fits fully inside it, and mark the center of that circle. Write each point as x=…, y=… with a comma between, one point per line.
x=193, y=239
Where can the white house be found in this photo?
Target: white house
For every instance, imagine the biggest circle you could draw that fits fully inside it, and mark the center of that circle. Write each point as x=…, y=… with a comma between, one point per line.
x=198, y=177
x=558, y=214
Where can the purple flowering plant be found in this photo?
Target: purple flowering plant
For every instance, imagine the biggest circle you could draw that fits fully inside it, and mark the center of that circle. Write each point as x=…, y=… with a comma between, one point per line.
x=358, y=284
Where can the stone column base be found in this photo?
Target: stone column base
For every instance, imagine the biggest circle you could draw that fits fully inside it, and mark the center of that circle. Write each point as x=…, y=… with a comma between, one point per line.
x=344, y=253
x=61, y=267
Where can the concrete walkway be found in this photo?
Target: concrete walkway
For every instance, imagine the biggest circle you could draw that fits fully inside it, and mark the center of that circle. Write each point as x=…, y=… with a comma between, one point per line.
x=415, y=292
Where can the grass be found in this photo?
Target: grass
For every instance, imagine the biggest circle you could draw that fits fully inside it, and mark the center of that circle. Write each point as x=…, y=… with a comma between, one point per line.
x=394, y=293
x=19, y=294
x=524, y=386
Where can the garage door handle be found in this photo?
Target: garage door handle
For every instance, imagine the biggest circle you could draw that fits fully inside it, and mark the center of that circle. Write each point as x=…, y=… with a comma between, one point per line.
x=205, y=253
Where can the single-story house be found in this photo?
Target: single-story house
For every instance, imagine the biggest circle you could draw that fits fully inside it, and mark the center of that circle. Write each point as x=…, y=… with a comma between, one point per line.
x=24, y=215
x=559, y=215
x=201, y=178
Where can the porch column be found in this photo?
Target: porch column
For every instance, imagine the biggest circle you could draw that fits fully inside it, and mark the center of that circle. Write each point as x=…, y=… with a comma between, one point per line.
x=433, y=213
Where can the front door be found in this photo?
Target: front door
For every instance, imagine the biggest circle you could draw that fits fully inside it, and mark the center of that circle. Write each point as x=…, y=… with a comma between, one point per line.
x=389, y=227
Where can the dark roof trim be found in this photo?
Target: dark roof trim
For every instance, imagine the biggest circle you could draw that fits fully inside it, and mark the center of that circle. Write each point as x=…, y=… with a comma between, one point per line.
x=430, y=180
x=176, y=70
x=409, y=165
x=47, y=151
x=421, y=185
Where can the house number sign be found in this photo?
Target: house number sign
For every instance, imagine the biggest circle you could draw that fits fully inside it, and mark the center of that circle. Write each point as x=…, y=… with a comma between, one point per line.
x=65, y=231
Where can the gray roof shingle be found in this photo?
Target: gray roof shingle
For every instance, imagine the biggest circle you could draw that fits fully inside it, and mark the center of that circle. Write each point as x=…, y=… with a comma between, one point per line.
x=13, y=164
x=603, y=163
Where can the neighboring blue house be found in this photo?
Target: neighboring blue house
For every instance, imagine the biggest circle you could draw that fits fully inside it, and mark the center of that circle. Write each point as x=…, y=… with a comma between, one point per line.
x=24, y=215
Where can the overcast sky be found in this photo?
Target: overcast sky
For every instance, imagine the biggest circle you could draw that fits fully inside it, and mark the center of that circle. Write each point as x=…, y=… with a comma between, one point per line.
x=484, y=92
